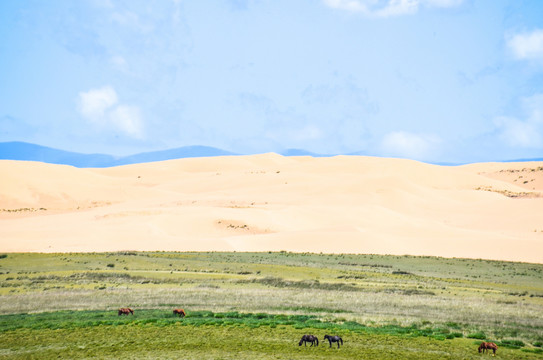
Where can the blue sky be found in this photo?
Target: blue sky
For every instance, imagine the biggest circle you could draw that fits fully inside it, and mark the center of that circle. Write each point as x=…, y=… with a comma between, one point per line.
x=431, y=80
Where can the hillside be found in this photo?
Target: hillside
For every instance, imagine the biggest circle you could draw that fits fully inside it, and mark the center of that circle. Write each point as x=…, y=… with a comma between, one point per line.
x=343, y=204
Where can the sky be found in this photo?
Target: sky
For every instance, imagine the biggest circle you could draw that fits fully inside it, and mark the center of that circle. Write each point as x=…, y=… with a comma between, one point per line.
x=432, y=80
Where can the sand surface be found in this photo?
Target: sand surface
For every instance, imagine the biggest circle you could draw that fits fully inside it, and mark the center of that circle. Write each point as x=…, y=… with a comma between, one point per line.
x=351, y=204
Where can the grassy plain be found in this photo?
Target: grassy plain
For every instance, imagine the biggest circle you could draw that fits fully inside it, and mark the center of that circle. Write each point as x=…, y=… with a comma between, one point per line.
x=257, y=305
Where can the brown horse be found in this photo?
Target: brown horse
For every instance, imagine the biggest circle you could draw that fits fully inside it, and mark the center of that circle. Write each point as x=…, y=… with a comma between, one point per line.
x=179, y=312
x=485, y=346
x=309, y=338
x=126, y=311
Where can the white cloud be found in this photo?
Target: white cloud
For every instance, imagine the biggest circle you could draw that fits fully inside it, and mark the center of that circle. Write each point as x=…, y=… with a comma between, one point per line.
x=524, y=133
x=133, y=21
x=388, y=8
x=309, y=132
x=527, y=45
x=102, y=3
x=518, y=133
x=444, y=3
x=119, y=63
x=94, y=103
x=409, y=145
x=118, y=60
x=101, y=108
x=128, y=119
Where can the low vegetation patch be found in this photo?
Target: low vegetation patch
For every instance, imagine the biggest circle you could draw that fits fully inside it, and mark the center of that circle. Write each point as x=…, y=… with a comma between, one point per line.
x=83, y=319
x=152, y=333
x=434, y=307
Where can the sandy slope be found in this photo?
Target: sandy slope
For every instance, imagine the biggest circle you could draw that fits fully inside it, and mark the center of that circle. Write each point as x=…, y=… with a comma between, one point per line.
x=269, y=202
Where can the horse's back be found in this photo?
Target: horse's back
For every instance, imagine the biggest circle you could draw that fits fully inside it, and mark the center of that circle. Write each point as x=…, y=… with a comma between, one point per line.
x=179, y=312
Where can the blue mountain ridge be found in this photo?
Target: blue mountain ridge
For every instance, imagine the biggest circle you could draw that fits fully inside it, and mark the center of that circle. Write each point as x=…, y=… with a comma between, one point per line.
x=17, y=150
x=31, y=152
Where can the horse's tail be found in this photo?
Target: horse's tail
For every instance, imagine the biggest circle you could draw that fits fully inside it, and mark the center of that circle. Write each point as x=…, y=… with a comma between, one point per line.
x=317, y=340
x=131, y=311
x=340, y=339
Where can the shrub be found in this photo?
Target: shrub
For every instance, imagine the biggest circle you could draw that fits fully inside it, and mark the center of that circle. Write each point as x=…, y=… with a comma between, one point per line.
x=515, y=344
x=478, y=335
x=3, y=256
x=401, y=272
x=110, y=265
x=538, y=344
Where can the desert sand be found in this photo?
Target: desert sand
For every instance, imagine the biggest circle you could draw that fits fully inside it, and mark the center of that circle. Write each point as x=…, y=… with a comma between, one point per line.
x=343, y=204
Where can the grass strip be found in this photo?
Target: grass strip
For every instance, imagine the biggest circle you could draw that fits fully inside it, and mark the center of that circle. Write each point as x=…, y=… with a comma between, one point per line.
x=88, y=318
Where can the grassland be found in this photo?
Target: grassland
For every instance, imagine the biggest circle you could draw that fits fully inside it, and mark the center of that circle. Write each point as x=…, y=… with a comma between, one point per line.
x=257, y=305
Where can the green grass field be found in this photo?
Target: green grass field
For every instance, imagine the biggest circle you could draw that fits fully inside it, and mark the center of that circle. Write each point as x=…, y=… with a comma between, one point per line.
x=258, y=305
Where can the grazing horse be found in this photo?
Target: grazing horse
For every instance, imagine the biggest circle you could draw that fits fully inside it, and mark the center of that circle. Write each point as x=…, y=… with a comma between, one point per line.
x=486, y=346
x=126, y=311
x=309, y=338
x=332, y=339
x=179, y=312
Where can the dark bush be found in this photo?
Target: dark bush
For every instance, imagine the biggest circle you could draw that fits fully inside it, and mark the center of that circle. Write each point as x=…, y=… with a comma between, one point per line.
x=401, y=272
x=514, y=344
x=478, y=335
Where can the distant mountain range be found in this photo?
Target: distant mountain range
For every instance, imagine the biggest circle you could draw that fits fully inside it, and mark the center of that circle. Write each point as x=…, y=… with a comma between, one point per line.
x=17, y=150
x=32, y=152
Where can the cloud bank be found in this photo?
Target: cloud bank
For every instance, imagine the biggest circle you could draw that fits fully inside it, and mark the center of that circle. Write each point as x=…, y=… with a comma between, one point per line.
x=388, y=8
x=528, y=131
x=409, y=145
x=100, y=107
x=528, y=45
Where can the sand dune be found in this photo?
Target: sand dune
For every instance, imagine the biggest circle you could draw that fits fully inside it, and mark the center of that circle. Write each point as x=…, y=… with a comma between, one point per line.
x=269, y=202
